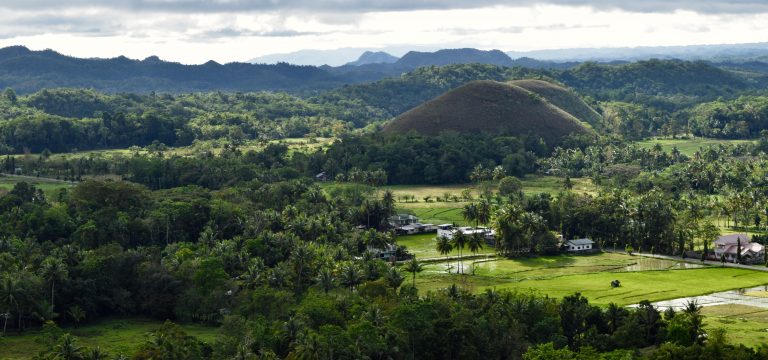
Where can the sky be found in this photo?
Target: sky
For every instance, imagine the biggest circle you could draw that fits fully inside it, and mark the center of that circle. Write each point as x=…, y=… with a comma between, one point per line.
x=195, y=31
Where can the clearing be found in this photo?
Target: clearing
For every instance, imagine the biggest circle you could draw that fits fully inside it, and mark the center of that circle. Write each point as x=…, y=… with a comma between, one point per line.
x=115, y=336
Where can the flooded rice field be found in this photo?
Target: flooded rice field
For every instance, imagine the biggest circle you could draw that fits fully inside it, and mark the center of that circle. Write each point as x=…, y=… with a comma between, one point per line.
x=756, y=297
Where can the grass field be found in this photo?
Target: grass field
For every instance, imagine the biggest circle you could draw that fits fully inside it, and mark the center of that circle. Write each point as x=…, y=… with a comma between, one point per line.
x=688, y=146
x=746, y=325
x=439, y=212
x=214, y=146
x=116, y=336
x=591, y=275
x=49, y=187
x=423, y=246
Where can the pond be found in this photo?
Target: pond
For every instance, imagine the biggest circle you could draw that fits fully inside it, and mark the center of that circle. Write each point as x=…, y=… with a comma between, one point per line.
x=756, y=296
x=649, y=264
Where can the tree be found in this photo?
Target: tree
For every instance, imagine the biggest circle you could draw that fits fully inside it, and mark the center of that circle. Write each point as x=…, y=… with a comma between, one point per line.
x=393, y=277
x=470, y=213
x=11, y=294
x=511, y=187
x=413, y=267
x=459, y=241
x=351, y=276
x=77, y=314
x=693, y=310
x=738, y=250
x=444, y=245
x=96, y=354
x=475, y=244
x=67, y=349
x=326, y=279
x=53, y=270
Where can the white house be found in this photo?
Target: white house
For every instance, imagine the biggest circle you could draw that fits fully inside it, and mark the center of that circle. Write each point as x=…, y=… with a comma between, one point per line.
x=402, y=220
x=448, y=230
x=406, y=224
x=579, y=245
x=727, y=245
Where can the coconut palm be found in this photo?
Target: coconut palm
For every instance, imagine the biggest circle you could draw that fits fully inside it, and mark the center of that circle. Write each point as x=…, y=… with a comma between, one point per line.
x=67, y=349
x=469, y=212
x=393, y=277
x=351, y=276
x=326, y=279
x=77, y=314
x=475, y=244
x=96, y=354
x=444, y=245
x=459, y=240
x=11, y=295
x=53, y=270
x=413, y=267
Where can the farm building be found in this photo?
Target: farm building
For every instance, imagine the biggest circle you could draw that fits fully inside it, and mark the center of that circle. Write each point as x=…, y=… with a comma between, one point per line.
x=728, y=245
x=579, y=245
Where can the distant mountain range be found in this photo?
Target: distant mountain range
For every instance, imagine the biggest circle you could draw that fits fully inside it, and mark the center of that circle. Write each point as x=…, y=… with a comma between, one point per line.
x=27, y=71
x=715, y=53
x=371, y=57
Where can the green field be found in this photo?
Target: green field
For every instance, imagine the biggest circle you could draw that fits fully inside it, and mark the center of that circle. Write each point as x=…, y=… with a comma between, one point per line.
x=746, y=325
x=439, y=212
x=688, y=146
x=424, y=246
x=49, y=187
x=214, y=146
x=559, y=276
x=116, y=336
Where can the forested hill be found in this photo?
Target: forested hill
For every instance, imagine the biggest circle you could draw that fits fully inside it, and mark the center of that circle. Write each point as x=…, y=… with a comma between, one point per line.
x=27, y=71
x=665, y=84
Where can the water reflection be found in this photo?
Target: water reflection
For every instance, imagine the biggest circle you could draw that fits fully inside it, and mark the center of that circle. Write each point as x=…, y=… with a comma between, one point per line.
x=754, y=296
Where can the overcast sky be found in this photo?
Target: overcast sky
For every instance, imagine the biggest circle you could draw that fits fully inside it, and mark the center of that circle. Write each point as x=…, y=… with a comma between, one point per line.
x=194, y=31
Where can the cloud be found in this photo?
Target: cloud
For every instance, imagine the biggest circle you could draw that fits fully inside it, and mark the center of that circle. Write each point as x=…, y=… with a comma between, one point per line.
x=362, y=6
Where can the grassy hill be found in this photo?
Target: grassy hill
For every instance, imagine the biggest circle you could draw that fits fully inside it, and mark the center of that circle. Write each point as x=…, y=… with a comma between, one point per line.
x=491, y=107
x=562, y=98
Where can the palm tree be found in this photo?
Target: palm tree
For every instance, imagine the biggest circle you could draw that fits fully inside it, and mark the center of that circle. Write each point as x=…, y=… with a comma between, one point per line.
x=67, y=349
x=11, y=294
x=693, y=310
x=77, y=314
x=53, y=270
x=413, y=267
x=459, y=240
x=308, y=347
x=469, y=212
x=96, y=354
x=302, y=255
x=475, y=243
x=444, y=245
x=393, y=277
x=351, y=276
x=45, y=311
x=326, y=279
x=484, y=212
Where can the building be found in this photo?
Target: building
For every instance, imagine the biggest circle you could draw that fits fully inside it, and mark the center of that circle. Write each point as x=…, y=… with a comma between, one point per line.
x=579, y=245
x=727, y=246
x=402, y=220
x=448, y=230
x=406, y=224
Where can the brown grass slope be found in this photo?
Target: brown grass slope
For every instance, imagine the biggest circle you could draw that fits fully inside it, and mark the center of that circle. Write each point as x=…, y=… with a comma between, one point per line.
x=562, y=98
x=490, y=107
